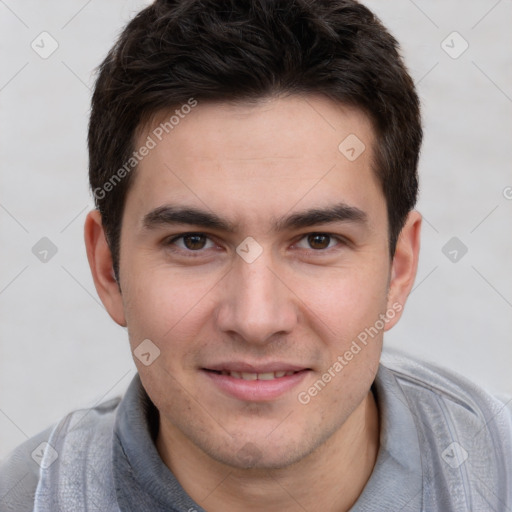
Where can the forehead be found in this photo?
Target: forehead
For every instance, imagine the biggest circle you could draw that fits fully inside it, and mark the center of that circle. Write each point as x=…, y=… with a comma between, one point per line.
x=251, y=127
x=268, y=155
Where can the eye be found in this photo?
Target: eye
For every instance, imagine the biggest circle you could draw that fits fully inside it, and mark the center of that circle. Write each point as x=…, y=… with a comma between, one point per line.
x=318, y=241
x=192, y=242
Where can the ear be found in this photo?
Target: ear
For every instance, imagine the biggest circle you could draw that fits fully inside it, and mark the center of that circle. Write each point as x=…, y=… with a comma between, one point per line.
x=404, y=266
x=100, y=261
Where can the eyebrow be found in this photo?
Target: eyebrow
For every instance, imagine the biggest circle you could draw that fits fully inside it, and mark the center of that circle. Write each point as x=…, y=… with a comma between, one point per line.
x=169, y=214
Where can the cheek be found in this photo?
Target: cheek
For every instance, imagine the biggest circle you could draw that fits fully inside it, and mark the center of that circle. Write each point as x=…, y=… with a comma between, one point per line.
x=345, y=301
x=160, y=299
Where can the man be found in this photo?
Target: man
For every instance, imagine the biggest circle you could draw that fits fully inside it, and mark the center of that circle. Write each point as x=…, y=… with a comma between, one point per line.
x=254, y=166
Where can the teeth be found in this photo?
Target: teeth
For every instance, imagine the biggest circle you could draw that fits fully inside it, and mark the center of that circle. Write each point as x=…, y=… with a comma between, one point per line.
x=257, y=376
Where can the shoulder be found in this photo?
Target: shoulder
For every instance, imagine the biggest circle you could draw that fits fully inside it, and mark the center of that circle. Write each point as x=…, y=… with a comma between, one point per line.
x=464, y=432
x=20, y=471
x=417, y=378
x=19, y=474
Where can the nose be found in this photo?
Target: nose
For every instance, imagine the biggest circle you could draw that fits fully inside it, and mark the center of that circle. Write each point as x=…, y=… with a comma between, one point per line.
x=256, y=304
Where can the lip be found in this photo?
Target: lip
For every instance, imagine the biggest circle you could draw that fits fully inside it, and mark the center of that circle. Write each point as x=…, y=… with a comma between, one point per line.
x=239, y=366
x=255, y=390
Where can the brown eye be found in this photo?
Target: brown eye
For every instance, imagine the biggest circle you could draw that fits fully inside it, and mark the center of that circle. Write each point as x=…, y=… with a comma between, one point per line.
x=319, y=240
x=194, y=242
x=191, y=242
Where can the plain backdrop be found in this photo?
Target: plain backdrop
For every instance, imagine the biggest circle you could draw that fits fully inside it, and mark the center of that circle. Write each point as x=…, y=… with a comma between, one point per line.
x=59, y=350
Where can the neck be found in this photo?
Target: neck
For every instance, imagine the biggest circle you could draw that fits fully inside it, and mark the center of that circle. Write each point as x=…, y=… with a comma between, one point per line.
x=331, y=478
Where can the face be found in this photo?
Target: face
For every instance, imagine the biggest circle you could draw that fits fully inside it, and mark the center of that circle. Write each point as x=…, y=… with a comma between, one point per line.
x=253, y=255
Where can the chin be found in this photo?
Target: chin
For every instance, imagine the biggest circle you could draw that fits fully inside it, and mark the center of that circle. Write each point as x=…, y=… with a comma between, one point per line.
x=262, y=454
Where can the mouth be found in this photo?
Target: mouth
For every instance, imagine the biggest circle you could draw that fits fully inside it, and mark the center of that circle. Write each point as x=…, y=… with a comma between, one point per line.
x=255, y=384
x=255, y=376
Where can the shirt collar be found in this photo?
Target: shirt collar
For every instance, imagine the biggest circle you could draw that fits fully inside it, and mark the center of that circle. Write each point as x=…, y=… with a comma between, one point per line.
x=143, y=482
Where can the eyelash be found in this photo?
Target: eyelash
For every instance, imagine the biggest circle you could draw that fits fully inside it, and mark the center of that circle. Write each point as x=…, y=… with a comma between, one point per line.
x=199, y=252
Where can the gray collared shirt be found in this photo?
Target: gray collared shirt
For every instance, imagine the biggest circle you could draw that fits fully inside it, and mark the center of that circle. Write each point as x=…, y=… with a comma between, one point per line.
x=445, y=445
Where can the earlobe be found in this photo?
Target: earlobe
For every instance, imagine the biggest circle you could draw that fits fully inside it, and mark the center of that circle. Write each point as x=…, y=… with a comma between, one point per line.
x=404, y=265
x=100, y=262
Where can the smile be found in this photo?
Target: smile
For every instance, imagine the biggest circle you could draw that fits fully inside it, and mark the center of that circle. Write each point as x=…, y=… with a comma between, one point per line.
x=257, y=376
x=255, y=386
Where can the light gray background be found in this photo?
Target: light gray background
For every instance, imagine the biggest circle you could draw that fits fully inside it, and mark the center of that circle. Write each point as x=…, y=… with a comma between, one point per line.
x=59, y=350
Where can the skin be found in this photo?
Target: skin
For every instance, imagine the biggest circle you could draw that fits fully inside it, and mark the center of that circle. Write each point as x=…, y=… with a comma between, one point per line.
x=251, y=164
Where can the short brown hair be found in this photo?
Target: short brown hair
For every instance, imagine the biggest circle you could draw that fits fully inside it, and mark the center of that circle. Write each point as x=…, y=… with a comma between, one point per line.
x=243, y=50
